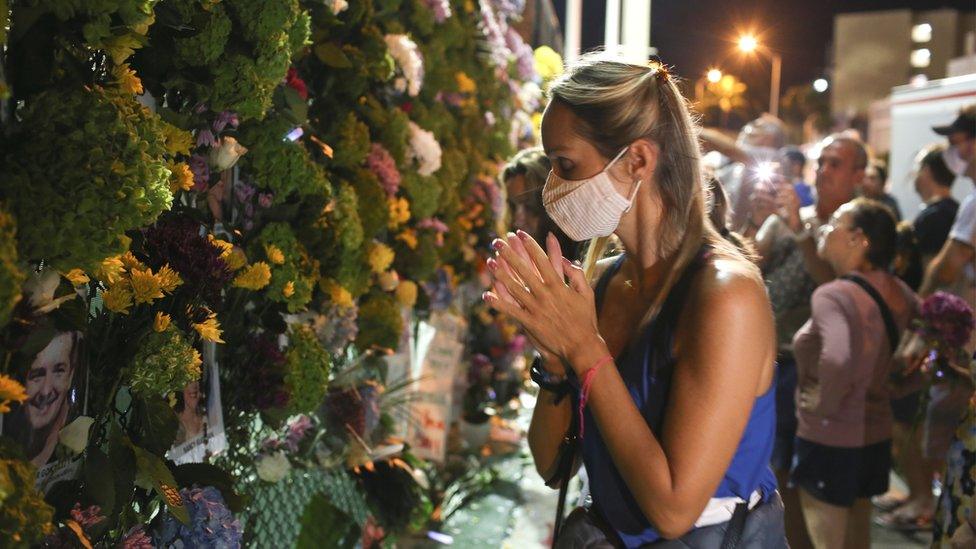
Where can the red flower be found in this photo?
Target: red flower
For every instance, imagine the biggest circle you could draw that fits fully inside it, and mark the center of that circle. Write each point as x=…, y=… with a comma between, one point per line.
x=296, y=83
x=406, y=107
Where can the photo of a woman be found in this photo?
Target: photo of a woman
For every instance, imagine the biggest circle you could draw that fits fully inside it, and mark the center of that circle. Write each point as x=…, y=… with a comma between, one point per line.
x=191, y=410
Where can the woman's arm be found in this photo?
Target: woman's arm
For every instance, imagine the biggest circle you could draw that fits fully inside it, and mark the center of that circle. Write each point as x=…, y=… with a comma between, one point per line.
x=835, y=371
x=550, y=421
x=724, y=352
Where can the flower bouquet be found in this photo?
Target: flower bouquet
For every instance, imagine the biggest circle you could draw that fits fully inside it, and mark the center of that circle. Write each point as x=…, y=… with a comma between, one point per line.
x=945, y=325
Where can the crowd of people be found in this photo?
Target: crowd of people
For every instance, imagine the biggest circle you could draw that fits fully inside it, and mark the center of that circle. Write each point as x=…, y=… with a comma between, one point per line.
x=843, y=277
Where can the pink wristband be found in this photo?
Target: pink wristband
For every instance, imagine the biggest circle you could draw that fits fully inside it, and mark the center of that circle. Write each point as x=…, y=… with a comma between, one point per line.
x=585, y=387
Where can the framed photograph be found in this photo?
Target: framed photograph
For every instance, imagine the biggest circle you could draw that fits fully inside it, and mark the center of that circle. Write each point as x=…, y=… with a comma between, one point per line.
x=52, y=369
x=201, y=419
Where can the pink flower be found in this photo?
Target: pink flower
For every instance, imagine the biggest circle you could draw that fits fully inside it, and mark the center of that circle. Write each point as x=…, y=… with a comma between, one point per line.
x=206, y=138
x=434, y=224
x=381, y=163
x=88, y=517
x=136, y=538
x=265, y=199
x=201, y=172
x=224, y=119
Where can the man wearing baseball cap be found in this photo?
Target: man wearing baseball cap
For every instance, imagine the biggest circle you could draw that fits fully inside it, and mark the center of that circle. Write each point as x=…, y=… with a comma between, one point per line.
x=962, y=141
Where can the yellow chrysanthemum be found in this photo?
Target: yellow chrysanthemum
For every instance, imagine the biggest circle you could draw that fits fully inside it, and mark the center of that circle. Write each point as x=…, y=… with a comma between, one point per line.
x=127, y=79
x=408, y=237
x=399, y=212
x=380, y=257
x=209, y=329
x=289, y=289
x=77, y=277
x=161, y=322
x=145, y=285
x=406, y=293
x=236, y=260
x=117, y=299
x=110, y=270
x=10, y=391
x=177, y=141
x=181, y=178
x=168, y=279
x=274, y=253
x=225, y=247
x=254, y=277
x=193, y=368
x=339, y=296
x=130, y=261
x=464, y=83
x=548, y=63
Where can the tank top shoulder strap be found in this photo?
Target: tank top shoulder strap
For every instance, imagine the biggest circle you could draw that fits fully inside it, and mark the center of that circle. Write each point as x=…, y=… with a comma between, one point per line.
x=679, y=292
x=601, y=284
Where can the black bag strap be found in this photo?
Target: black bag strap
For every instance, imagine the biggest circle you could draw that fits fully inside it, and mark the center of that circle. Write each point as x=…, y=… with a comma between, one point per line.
x=737, y=526
x=567, y=457
x=889, y=319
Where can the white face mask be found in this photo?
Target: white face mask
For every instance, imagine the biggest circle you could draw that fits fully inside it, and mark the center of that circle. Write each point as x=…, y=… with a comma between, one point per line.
x=586, y=208
x=954, y=160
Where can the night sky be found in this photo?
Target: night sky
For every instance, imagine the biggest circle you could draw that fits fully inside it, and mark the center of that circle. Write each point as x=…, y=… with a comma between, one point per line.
x=693, y=35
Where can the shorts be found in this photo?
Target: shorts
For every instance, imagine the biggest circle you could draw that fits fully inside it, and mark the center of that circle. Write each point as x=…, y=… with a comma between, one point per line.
x=907, y=409
x=947, y=404
x=785, y=414
x=839, y=476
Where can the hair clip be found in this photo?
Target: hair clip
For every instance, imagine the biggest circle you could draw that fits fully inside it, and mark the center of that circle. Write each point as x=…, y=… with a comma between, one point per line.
x=660, y=70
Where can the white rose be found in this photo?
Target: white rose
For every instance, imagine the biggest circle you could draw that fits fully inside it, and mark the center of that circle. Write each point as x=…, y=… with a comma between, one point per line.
x=274, y=467
x=226, y=155
x=74, y=436
x=339, y=6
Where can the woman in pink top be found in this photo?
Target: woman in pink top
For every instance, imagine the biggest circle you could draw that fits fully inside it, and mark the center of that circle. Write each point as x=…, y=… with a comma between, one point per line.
x=843, y=355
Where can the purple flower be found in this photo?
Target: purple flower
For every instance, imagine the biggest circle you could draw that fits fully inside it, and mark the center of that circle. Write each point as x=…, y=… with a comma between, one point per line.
x=176, y=240
x=434, y=224
x=441, y=9
x=206, y=137
x=249, y=209
x=243, y=192
x=224, y=119
x=201, y=172
x=297, y=430
x=524, y=56
x=136, y=538
x=381, y=163
x=211, y=523
x=265, y=199
x=947, y=320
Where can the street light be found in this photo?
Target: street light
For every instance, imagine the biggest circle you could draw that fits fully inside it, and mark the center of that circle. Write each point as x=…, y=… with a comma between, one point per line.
x=820, y=85
x=713, y=75
x=748, y=43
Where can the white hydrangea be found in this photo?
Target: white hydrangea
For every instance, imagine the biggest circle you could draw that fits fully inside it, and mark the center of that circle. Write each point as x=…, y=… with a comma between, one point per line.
x=274, y=467
x=407, y=55
x=425, y=149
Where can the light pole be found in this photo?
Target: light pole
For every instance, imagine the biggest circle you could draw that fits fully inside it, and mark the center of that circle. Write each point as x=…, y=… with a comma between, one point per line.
x=748, y=44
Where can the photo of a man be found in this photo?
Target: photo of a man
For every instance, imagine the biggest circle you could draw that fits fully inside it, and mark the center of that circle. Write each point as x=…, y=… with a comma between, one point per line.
x=54, y=381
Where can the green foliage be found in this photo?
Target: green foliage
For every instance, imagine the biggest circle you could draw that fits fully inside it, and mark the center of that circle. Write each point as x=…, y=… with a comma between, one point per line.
x=351, y=142
x=116, y=26
x=308, y=366
x=293, y=280
x=284, y=167
x=94, y=161
x=371, y=199
x=11, y=277
x=380, y=322
x=424, y=193
x=164, y=363
x=324, y=525
x=25, y=518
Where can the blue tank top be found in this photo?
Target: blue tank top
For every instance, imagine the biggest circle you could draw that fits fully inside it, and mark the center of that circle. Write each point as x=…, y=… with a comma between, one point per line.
x=646, y=366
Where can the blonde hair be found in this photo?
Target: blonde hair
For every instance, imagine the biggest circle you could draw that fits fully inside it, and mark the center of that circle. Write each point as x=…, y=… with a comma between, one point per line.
x=618, y=103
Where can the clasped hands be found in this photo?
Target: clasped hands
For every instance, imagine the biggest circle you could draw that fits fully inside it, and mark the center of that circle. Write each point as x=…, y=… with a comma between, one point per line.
x=549, y=296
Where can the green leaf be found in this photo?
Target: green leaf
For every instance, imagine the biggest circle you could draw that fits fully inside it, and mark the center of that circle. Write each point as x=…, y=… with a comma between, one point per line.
x=151, y=466
x=323, y=525
x=123, y=463
x=98, y=477
x=332, y=55
x=205, y=474
x=159, y=426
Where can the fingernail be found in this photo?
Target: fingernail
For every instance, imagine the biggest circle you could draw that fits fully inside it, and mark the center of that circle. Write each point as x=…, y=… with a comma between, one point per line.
x=487, y=297
x=497, y=244
x=492, y=264
x=522, y=234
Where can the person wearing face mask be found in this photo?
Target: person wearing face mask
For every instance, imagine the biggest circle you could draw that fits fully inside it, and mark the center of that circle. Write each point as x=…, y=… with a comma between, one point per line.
x=844, y=357
x=663, y=367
